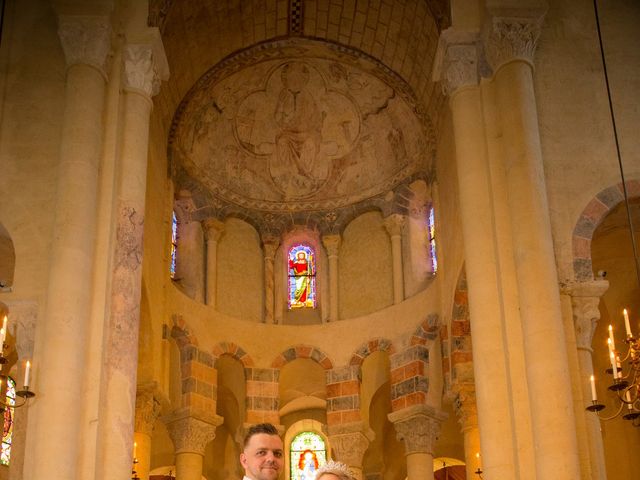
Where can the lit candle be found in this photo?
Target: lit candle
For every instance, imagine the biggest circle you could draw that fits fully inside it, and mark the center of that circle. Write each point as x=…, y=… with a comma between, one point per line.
x=27, y=372
x=627, y=397
x=594, y=397
x=2, y=335
x=613, y=342
x=627, y=325
x=613, y=365
x=135, y=446
x=4, y=323
x=478, y=460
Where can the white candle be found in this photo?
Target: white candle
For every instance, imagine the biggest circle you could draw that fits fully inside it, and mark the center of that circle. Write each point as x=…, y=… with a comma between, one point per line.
x=2, y=335
x=4, y=323
x=627, y=397
x=627, y=325
x=27, y=372
x=594, y=397
x=135, y=447
x=478, y=460
x=613, y=365
x=613, y=342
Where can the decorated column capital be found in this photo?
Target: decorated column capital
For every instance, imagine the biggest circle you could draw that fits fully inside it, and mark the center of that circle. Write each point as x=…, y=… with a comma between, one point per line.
x=418, y=426
x=147, y=408
x=332, y=244
x=585, y=299
x=86, y=40
x=456, y=60
x=511, y=37
x=270, y=245
x=350, y=441
x=140, y=73
x=190, y=432
x=213, y=229
x=394, y=223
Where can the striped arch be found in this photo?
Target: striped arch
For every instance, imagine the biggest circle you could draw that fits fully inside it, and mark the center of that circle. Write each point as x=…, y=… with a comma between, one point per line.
x=230, y=348
x=459, y=347
x=427, y=331
x=302, y=351
x=593, y=214
x=375, y=345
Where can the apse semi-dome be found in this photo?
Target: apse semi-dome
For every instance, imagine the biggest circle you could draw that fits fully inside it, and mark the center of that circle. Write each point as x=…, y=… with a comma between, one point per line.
x=298, y=126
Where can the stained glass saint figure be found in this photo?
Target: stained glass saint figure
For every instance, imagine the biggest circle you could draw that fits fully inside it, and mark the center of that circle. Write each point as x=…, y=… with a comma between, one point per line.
x=308, y=453
x=7, y=430
x=302, y=277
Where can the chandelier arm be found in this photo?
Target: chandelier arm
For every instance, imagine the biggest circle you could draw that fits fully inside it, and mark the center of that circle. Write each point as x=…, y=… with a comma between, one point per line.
x=606, y=419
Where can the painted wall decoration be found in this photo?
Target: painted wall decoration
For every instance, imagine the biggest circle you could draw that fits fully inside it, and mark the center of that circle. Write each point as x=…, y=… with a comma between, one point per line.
x=294, y=134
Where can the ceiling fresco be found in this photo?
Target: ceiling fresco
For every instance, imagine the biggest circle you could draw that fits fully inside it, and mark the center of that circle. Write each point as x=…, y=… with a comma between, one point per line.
x=298, y=127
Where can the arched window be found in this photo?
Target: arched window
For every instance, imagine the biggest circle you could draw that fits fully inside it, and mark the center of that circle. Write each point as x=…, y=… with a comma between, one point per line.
x=308, y=453
x=174, y=245
x=302, y=277
x=431, y=238
x=7, y=431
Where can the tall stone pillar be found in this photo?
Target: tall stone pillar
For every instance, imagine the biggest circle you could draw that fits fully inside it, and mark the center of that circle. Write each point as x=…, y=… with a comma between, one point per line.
x=115, y=432
x=270, y=245
x=394, y=223
x=349, y=442
x=190, y=434
x=418, y=427
x=332, y=244
x=213, y=230
x=510, y=45
x=147, y=412
x=190, y=248
x=493, y=393
x=585, y=298
x=60, y=350
x=465, y=406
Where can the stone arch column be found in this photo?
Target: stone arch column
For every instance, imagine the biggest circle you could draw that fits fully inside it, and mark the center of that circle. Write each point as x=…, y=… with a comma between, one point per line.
x=213, y=230
x=270, y=245
x=467, y=413
x=394, y=224
x=147, y=412
x=332, y=245
x=86, y=41
x=189, y=255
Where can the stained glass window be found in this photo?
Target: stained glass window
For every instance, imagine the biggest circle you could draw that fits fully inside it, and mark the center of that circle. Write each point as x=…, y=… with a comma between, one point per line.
x=431, y=239
x=302, y=277
x=174, y=244
x=7, y=431
x=308, y=453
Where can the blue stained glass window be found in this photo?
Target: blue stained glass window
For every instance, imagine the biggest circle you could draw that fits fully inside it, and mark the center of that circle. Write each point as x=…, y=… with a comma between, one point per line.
x=302, y=277
x=431, y=239
x=308, y=453
x=7, y=431
x=174, y=244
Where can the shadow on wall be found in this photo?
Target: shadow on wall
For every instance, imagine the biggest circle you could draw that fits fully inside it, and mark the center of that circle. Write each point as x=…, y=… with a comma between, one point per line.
x=7, y=259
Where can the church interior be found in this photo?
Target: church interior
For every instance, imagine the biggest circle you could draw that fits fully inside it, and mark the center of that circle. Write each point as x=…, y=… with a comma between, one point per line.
x=401, y=231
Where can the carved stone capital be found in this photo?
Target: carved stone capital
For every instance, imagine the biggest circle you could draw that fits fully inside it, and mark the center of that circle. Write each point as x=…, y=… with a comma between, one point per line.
x=350, y=442
x=86, y=40
x=213, y=229
x=270, y=245
x=332, y=244
x=139, y=72
x=418, y=426
x=147, y=408
x=585, y=299
x=508, y=38
x=190, y=432
x=465, y=406
x=460, y=68
x=394, y=223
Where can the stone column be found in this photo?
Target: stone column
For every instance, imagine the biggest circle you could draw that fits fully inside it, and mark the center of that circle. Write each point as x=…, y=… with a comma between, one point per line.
x=213, y=230
x=270, y=245
x=585, y=298
x=190, y=248
x=147, y=412
x=394, y=223
x=60, y=351
x=460, y=81
x=465, y=407
x=418, y=427
x=190, y=434
x=349, y=442
x=332, y=244
x=510, y=44
x=115, y=433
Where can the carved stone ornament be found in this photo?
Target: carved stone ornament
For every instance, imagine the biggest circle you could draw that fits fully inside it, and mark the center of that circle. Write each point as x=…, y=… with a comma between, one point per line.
x=190, y=433
x=332, y=244
x=85, y=40
x=585, y=299
x=460, y=68
x=511, y=38
x=418, y=426
x=213, y=229
x=270, y=244
x=394, y=223
x=139, y=69
x=147, y=409
x=349, y=442
x=465, y=406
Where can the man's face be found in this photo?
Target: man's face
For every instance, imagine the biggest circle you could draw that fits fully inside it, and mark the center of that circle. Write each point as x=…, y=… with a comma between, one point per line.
x=263, y=458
